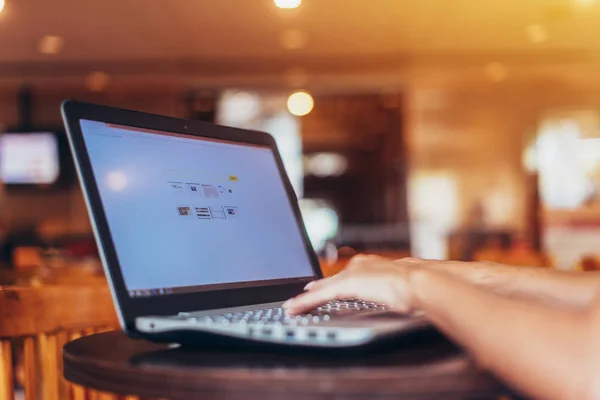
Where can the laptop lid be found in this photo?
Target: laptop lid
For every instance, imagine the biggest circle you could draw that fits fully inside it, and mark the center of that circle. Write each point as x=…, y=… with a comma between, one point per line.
x=187, y=215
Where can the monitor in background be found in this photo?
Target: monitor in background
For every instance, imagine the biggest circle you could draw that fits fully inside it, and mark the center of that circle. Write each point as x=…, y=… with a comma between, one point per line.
x=30, y=158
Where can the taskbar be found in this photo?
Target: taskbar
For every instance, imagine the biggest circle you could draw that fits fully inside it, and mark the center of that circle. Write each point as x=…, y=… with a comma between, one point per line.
x=214, y=287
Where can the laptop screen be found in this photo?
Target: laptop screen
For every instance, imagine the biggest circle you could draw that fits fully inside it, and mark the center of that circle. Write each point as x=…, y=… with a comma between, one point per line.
x=194, y=214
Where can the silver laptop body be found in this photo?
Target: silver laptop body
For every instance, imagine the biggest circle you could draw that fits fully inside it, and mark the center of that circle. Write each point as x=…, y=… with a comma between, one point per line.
x=201, y=237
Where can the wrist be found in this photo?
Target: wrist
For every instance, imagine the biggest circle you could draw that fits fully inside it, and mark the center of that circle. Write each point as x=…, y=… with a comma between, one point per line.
x=493, y=276
x=418, y=281
x=484, y=273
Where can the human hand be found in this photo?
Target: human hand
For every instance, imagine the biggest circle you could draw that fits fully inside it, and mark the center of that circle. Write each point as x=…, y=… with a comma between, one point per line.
x=369, y=278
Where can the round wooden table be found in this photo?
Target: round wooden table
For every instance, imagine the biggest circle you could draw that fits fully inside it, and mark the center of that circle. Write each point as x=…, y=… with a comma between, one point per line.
x=422, y=367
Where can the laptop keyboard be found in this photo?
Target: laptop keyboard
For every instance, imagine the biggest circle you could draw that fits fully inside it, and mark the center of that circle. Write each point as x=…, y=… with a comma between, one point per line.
x=278, y=316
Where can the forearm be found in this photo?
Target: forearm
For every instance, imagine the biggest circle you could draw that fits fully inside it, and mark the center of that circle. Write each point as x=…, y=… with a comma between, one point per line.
x=558, y=288
x=536, y=348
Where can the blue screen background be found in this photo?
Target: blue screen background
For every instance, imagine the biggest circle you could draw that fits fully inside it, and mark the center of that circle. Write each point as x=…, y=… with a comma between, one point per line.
x=188, y=212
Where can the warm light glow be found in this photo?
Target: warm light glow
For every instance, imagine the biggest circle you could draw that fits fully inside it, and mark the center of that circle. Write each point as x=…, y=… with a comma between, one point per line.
x=496, y=71
x=580, y=2
x=51, y=44
x=1, y=5
x=536, y=33
x=564, y=182
x=293, y=39
x=287, y=3
x=432, y=219
x=116, y=181
x=300, y=103
x=97, y=81
x=326, y=164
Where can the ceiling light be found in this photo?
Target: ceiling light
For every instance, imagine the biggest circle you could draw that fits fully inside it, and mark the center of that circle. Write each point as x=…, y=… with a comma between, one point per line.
x=536, y=33
x=300, y=103
x=293, y=39
x=496, y=72
x=2, y=3
x=51, y=44
x=287, y=3
x=97, y=81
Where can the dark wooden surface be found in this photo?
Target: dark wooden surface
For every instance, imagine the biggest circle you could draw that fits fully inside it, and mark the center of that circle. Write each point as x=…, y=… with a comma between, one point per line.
x=423, y=367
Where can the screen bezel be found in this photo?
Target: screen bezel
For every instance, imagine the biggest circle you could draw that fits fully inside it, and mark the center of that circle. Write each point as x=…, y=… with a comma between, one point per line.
x=129, y=308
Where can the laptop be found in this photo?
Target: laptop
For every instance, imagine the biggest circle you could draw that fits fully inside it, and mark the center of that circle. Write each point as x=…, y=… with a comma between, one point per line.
x=201, y=237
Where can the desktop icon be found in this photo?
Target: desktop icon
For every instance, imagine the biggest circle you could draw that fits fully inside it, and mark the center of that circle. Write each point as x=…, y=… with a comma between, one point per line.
x=210, y=191
x=224, y=190
x=193, y=188
x=233, y=178
x=183, y=211
x=231, y=212
x=176, y=187
x=217, y=212
x=203, y=213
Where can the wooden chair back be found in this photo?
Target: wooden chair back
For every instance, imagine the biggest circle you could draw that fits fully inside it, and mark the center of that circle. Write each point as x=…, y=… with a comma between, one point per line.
x=35, y=323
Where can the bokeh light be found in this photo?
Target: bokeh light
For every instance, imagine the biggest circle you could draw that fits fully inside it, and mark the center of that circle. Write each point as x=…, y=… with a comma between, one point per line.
x=300, y=103
x=288, y=3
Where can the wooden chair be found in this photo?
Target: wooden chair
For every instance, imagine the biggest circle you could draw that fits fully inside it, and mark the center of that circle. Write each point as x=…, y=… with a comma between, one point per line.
x=35, y=323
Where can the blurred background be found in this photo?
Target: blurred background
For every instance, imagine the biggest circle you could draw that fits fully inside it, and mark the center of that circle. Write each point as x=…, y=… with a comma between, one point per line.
x=443, y=129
